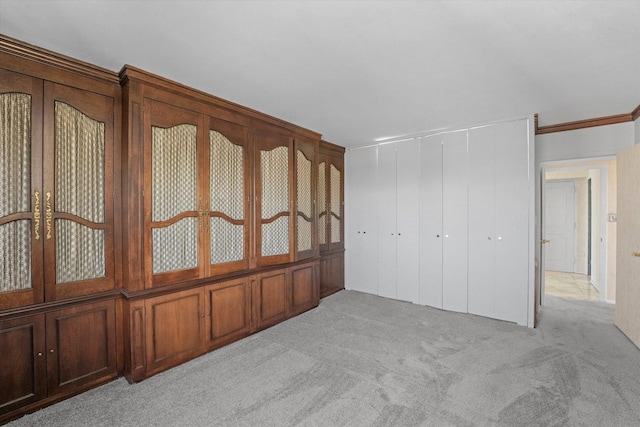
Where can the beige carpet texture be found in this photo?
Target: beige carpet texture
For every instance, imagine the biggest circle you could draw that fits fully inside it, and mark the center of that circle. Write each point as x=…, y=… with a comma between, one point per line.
x=362, y=360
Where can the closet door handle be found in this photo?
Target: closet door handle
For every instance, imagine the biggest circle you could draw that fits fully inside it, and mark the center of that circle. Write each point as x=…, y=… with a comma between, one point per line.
x=36, y=214
x=635, y=254
x=48, y=216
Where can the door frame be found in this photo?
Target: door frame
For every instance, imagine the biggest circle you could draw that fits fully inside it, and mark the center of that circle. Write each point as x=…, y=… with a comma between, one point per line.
x=577, y=164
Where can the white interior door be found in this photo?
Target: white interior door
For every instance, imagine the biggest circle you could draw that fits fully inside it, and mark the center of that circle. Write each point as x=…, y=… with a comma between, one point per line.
x=560, y=225
x=361, y=206
x=512, y=219
x=454, y=221
x=628, y=245
x=431, y=236
x=482, y=221
x=386, y=265
x=408, y=221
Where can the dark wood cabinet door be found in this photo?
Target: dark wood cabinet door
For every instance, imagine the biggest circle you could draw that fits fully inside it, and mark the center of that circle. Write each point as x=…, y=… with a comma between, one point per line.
x=270, y=298
x=227, y=188
x=23, y=362
x=174, y=329
x=228, y=311
x=304, y=288
x=21, y=198
x=81, y=346
x=173, y=205
x=336, y=202
x=323, y=202
x=306, y=227
x=77, y=197
x=331, y=274
x=274, y=191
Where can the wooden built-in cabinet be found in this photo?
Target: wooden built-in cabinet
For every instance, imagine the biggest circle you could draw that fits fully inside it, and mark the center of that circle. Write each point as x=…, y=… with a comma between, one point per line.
x=60, y=251
x=144, y=223
x=330, y=190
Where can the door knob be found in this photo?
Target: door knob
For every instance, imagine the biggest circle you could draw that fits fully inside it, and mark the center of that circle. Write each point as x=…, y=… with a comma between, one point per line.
x=635, y=254
x=544, y=241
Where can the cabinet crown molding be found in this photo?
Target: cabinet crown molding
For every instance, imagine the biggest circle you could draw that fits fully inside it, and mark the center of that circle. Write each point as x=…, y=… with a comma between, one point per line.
x=46, y=57
x=129, y=73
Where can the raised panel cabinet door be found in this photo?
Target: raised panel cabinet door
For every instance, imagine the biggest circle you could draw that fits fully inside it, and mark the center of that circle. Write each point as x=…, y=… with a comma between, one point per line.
x=337, y=271
x=81, y=346
x=306, y=227
x=482, y=221
x=274, y=184
x=387, y=238
x=173, y=202
x=227, y=204
x=23, y=368
x=78, y=185
x=304, y=288
x=270, y=298
x=513, y=207
x=228, y=311
x=454, y=221
x=21, y=198
x=431, y=237
x=408, y=221
x=175, y=329
x=336, y=202
x=361, y=200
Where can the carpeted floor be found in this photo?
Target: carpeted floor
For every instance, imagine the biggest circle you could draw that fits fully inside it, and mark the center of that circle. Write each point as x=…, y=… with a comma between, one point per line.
x=362, y=360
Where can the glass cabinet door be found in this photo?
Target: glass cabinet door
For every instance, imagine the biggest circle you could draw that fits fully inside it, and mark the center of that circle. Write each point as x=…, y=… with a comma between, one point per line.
x=21, y=237
x=172, y=164
x=274, y=237
x=78, y=213
x=228, y=202
x=323, y=204
x=336, y=204
x=305, y=222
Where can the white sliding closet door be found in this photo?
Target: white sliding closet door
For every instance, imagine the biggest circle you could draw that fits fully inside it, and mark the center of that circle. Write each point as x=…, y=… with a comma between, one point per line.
x=512, y=221
x=454, y=221
x=498, y=221
x=408, y=220
x=482, y=221
x=361, y=223
x=386, y=264
x=431, y=236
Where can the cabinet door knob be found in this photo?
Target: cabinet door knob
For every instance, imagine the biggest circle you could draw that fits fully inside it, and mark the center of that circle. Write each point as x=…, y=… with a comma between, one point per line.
x=39, y=354
x=52, y=351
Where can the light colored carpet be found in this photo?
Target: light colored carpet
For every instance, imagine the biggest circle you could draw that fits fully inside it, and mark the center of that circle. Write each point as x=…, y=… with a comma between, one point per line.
x=362, y=360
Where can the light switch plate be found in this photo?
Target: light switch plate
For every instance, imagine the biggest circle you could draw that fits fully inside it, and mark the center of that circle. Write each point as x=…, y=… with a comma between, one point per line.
x=613, y=217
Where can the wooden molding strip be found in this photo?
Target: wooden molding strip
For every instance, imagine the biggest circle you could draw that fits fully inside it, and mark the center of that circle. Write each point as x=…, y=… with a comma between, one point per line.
x=50, y=58
x=635, y=113
x=582, y=124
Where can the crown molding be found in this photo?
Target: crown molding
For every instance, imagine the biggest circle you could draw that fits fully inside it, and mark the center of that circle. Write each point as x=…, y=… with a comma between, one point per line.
x=588, y=123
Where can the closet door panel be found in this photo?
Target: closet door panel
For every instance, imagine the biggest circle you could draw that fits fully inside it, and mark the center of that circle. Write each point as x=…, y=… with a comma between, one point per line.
x=482, y=221
x=431, y=237
x=408, y=221
x=335, y=174
x=454, y=212
x=387, y=200
x=21, y=195
x=227, y=210
x=173, y=196
x=361, y=223
x=512, y=219
x=78, y=192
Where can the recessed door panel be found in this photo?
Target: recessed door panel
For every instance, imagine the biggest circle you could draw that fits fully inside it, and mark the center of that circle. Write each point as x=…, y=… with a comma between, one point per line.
x=408, y=221
x=431, y=237
x=454, y=213
x=386, y=264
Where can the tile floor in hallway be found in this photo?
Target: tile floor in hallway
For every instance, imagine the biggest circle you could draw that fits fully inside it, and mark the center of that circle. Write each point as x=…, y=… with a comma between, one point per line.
x=570, y=285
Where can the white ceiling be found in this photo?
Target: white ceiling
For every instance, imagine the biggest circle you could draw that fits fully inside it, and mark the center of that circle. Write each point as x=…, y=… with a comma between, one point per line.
x=357, y=71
